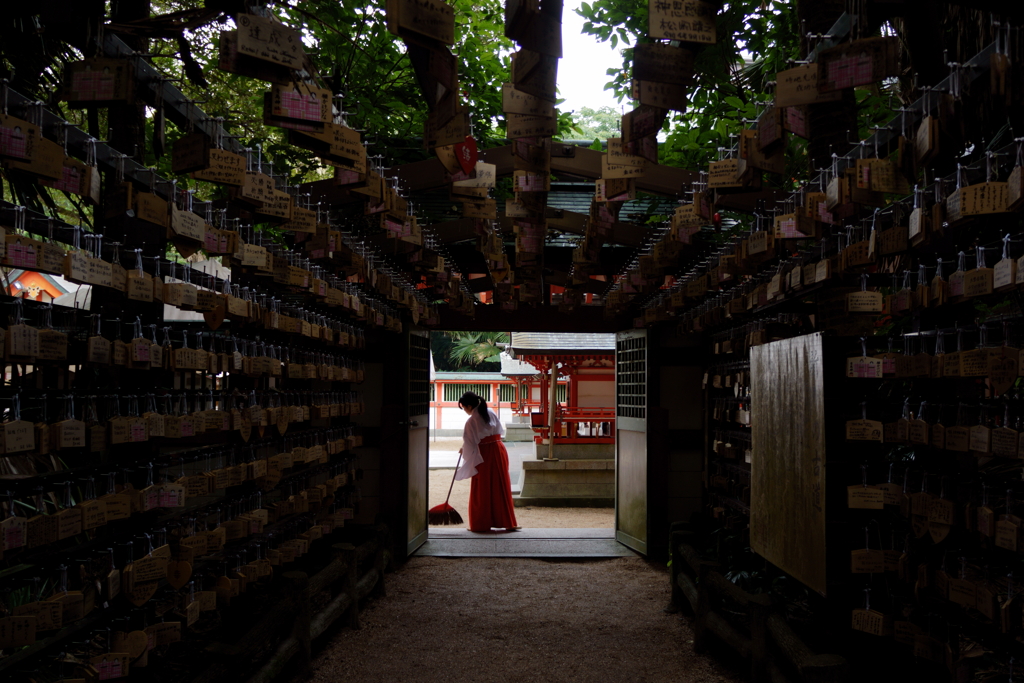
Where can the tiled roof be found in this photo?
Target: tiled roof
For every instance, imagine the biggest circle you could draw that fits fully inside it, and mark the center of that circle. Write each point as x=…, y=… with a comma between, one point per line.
x=561, y=342
x=511, y=366
x=469, y=377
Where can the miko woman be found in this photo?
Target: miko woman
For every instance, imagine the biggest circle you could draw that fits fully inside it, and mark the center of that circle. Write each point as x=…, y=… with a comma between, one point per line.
x=485, y=459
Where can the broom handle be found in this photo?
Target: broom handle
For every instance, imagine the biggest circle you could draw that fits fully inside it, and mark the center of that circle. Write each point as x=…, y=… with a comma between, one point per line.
x=453, y=478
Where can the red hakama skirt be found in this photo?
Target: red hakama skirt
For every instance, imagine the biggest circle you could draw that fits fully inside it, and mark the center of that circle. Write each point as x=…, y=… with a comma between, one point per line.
x=490, y=489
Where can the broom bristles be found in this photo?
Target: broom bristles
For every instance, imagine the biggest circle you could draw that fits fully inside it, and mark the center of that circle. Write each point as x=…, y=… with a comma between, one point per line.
x=444, y=515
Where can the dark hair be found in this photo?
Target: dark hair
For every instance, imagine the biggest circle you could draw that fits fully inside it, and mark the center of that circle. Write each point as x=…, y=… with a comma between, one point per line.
x=471, y=400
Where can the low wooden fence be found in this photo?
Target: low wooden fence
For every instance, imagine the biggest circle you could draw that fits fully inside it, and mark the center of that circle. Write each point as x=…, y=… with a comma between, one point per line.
x=293, y=624
x=763, y=637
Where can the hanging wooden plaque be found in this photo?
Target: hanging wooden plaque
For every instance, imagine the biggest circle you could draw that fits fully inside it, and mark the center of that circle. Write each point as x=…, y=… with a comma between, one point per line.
x=662, y=63
x=535, y=74
x=430, y=19
x=688, y=21
x=861, y=62
x=269, y=41
x=799, y=86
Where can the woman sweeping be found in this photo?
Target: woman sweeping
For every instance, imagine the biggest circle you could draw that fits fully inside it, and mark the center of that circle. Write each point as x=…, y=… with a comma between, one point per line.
x=485, y=459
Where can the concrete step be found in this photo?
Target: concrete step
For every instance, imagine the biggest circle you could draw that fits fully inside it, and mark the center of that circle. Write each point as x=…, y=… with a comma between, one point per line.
x=527, y=533
x=521, y=501
x=527, y=543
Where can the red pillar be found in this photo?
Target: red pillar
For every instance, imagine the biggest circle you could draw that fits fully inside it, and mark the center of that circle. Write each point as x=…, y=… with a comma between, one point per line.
x=438, y=395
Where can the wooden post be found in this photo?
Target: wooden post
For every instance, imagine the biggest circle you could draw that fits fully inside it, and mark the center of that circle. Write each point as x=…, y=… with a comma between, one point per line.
x=825, y=669
x=298, y=582
x=379, y=591
x=552, y=383
x=348, y=551
x=674, y=539
x=759, y=607
x=704, y=607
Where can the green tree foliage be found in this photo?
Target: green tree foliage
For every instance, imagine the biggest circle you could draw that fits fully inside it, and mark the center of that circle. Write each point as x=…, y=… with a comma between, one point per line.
x=356, y=57
x=597, y=124
x=755, y=40
x=475, y=349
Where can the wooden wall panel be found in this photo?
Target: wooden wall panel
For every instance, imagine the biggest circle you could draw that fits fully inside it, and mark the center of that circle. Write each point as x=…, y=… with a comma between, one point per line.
x=787, y=481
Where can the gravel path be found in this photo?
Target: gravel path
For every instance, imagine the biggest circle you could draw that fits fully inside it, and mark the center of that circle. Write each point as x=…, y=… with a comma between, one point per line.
x=519, y=620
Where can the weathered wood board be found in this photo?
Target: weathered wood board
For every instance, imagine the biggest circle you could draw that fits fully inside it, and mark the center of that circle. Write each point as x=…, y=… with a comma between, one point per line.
x=787, y=476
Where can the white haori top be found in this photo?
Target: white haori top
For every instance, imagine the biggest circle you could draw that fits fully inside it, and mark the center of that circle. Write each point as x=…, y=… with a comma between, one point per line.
x=475, y=431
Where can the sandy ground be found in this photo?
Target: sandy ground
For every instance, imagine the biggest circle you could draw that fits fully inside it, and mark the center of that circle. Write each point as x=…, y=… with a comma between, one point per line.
x=445, y=444
x=528, y=517
x=477, y=619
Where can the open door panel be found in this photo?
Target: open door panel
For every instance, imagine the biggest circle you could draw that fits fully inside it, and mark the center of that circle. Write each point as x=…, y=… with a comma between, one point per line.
x=418, y=426
x=631, y=480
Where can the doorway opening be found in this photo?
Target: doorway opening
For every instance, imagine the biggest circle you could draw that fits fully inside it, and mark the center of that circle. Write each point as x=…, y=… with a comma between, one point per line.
x=560, y=437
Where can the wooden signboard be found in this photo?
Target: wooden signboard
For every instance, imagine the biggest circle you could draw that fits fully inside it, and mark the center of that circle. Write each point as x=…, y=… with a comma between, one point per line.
x=335, y=142
x=522, y=126
x=539, y=31
x=688, y=21
x=485, y=175
x=617, y=155
x=645, y=147
x=751, y=152
x=662, y=63
x=190, y=153
x=612, y=171
x=724, y=174
x=269, y=41
x=663, y=95
x=642, y=122
x=187, y=225
x=231, y=60
x=861, y=62
x=437, y=134
x=436, y=71
x=226, y=168
x=535, y=74
x=798, y=86
x=517, y=102
x=299, y=102
x=47, y=161
x=530, y=157
x=431, y=19
x=98, y=80
x=787, y=481
x=18, y=138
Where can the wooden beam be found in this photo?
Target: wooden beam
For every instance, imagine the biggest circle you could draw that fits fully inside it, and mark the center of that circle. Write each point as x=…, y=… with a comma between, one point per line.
x=327, y=192
x=566, y=221
x=666, y=180
x=458, y=230
x=501, y=157
x=492, y=318
x=419, y=176
x=575, y=160
x=585, y=162
x=623, y=234
x=746, y=202
x=430, y=174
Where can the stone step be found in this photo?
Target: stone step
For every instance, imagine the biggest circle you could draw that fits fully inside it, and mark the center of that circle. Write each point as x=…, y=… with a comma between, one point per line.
x=568, y=464
x=545, y=543
x=521, y=501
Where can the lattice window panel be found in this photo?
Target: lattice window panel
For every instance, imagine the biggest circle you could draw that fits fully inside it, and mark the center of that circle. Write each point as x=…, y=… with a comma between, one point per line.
x=631, y=387
x=419, y=375
x=453, y=392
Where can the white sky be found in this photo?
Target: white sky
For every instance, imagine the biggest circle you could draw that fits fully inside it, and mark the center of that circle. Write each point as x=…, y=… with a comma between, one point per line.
x=582, y=69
